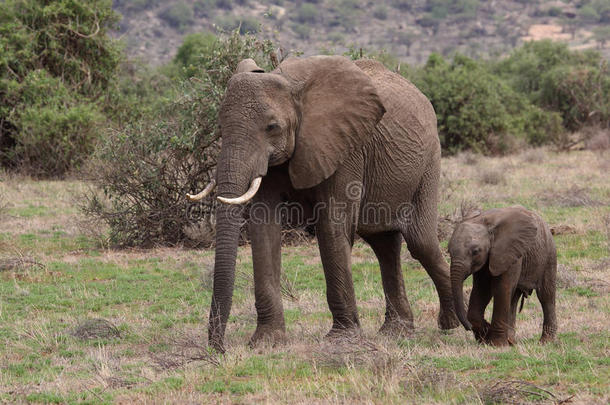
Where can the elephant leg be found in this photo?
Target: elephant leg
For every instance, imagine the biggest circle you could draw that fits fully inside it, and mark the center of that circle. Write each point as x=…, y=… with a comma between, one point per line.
x=479, y=299
x=512, y=320
x=335, y=239
x=398, y=315
x=503, y=287
x=546, y=296
x=265, y=237
x=423, y=245
x=419, y=231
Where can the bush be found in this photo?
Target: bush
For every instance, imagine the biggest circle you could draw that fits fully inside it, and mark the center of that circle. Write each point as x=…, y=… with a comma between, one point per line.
x=56, y=130
x=476, y=109
x=179, y=15
x=57, y=70
x=145, y=169
x=574, y=84
x=307, y=13
x=404, y=5
x=440, y=9
x=301, y=30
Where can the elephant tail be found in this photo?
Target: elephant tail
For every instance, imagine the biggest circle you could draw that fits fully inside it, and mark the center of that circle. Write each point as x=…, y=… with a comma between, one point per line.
x=524, y=294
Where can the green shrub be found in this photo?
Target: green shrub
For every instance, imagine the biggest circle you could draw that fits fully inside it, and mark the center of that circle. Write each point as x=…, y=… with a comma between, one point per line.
x=440, y=9
x=55, y=131
x=204, y=8
x=57, y=71
x=476, y=109
x=301, y=30
x=179, y=15
x=588, y=14
x=574, y=84
x=404, y=5
x=578, y=93
x=194, y=47
x=307, y=13
x=145, y=169
x=224, y=4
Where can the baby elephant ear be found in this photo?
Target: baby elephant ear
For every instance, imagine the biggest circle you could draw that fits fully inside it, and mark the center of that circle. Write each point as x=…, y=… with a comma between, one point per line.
x=514, y=231
x=248, y=65
x=339, y=109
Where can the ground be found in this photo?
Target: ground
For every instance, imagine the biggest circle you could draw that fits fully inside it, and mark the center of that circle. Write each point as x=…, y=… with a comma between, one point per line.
x=56, y=272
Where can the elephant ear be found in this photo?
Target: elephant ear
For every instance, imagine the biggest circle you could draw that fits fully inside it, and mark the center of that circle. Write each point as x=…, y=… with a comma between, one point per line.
x=513, y=231
x=339, y=109
x=248, y=65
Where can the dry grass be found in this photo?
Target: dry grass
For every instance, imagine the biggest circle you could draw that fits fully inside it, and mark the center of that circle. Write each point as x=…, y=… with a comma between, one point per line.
x=492, y=176
x=158, y=301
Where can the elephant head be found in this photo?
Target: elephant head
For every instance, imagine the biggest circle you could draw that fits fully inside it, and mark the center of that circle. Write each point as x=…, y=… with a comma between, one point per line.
x=311, y=113
x=495, y=239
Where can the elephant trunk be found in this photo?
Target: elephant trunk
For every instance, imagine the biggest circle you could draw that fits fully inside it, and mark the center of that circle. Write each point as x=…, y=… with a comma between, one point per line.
x=235, y=174
x=458, y=274
x=228, y=224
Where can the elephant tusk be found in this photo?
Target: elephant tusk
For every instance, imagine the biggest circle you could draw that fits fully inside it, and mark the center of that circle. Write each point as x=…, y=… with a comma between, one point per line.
x=206, y=191
x=256, y=183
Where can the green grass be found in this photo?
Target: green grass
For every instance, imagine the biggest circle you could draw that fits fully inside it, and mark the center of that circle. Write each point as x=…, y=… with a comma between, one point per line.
x=159, y=301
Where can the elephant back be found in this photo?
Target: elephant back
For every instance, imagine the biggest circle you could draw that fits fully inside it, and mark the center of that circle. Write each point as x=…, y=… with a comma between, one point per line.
x=406, y=106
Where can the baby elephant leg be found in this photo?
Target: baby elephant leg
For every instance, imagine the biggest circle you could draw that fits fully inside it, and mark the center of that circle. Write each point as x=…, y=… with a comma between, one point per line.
x=479, y=299
x=546, y=296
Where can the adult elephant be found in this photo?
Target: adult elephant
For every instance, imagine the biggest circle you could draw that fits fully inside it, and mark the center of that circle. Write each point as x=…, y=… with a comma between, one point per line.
x=356, y=146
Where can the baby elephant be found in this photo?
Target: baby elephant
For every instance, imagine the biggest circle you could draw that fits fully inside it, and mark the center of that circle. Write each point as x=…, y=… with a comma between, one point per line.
x=510, y=252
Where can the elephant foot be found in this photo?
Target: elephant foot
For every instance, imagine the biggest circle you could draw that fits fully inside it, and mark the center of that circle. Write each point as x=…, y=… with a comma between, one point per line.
x=338, y=333
x=548, y=333
x=267, y=335
x=481, y=332
x=447, y=319
x=498, y=339
x=397, y=327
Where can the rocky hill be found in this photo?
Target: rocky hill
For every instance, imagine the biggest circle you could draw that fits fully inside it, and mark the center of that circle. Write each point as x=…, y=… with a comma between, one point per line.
x=410, y=30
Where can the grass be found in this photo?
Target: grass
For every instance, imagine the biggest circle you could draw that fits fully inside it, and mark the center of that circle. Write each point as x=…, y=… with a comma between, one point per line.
x=159, y=299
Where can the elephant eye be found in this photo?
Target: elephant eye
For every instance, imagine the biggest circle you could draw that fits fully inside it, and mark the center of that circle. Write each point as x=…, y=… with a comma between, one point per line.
x=476, y=250
x=272, y=127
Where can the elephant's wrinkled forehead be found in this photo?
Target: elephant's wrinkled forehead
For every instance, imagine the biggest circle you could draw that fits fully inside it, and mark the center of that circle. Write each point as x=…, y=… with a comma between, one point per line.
x=465, y=234
x=254, y=91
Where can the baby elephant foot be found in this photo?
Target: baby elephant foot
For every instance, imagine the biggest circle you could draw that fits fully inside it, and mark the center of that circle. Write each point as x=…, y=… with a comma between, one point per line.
x=447, y=319
x=267, y=335
x=481, y=332
x=548, y=334
x=397, y=327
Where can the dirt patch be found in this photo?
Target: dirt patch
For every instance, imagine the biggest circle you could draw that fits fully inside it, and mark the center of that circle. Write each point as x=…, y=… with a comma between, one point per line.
x=538, y=32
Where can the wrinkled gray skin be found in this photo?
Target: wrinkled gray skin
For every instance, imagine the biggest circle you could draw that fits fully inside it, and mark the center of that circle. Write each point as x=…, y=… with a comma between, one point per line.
x=510, y=252
x=313, y=128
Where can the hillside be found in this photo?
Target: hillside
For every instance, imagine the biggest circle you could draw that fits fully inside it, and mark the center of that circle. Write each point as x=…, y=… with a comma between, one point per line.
x=411, y=30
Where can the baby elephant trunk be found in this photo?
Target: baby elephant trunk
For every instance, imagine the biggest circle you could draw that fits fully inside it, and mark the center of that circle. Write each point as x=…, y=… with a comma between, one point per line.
x=458, y=274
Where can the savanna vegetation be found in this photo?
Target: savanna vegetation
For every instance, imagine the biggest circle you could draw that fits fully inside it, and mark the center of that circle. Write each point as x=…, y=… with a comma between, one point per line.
x=98, y=151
